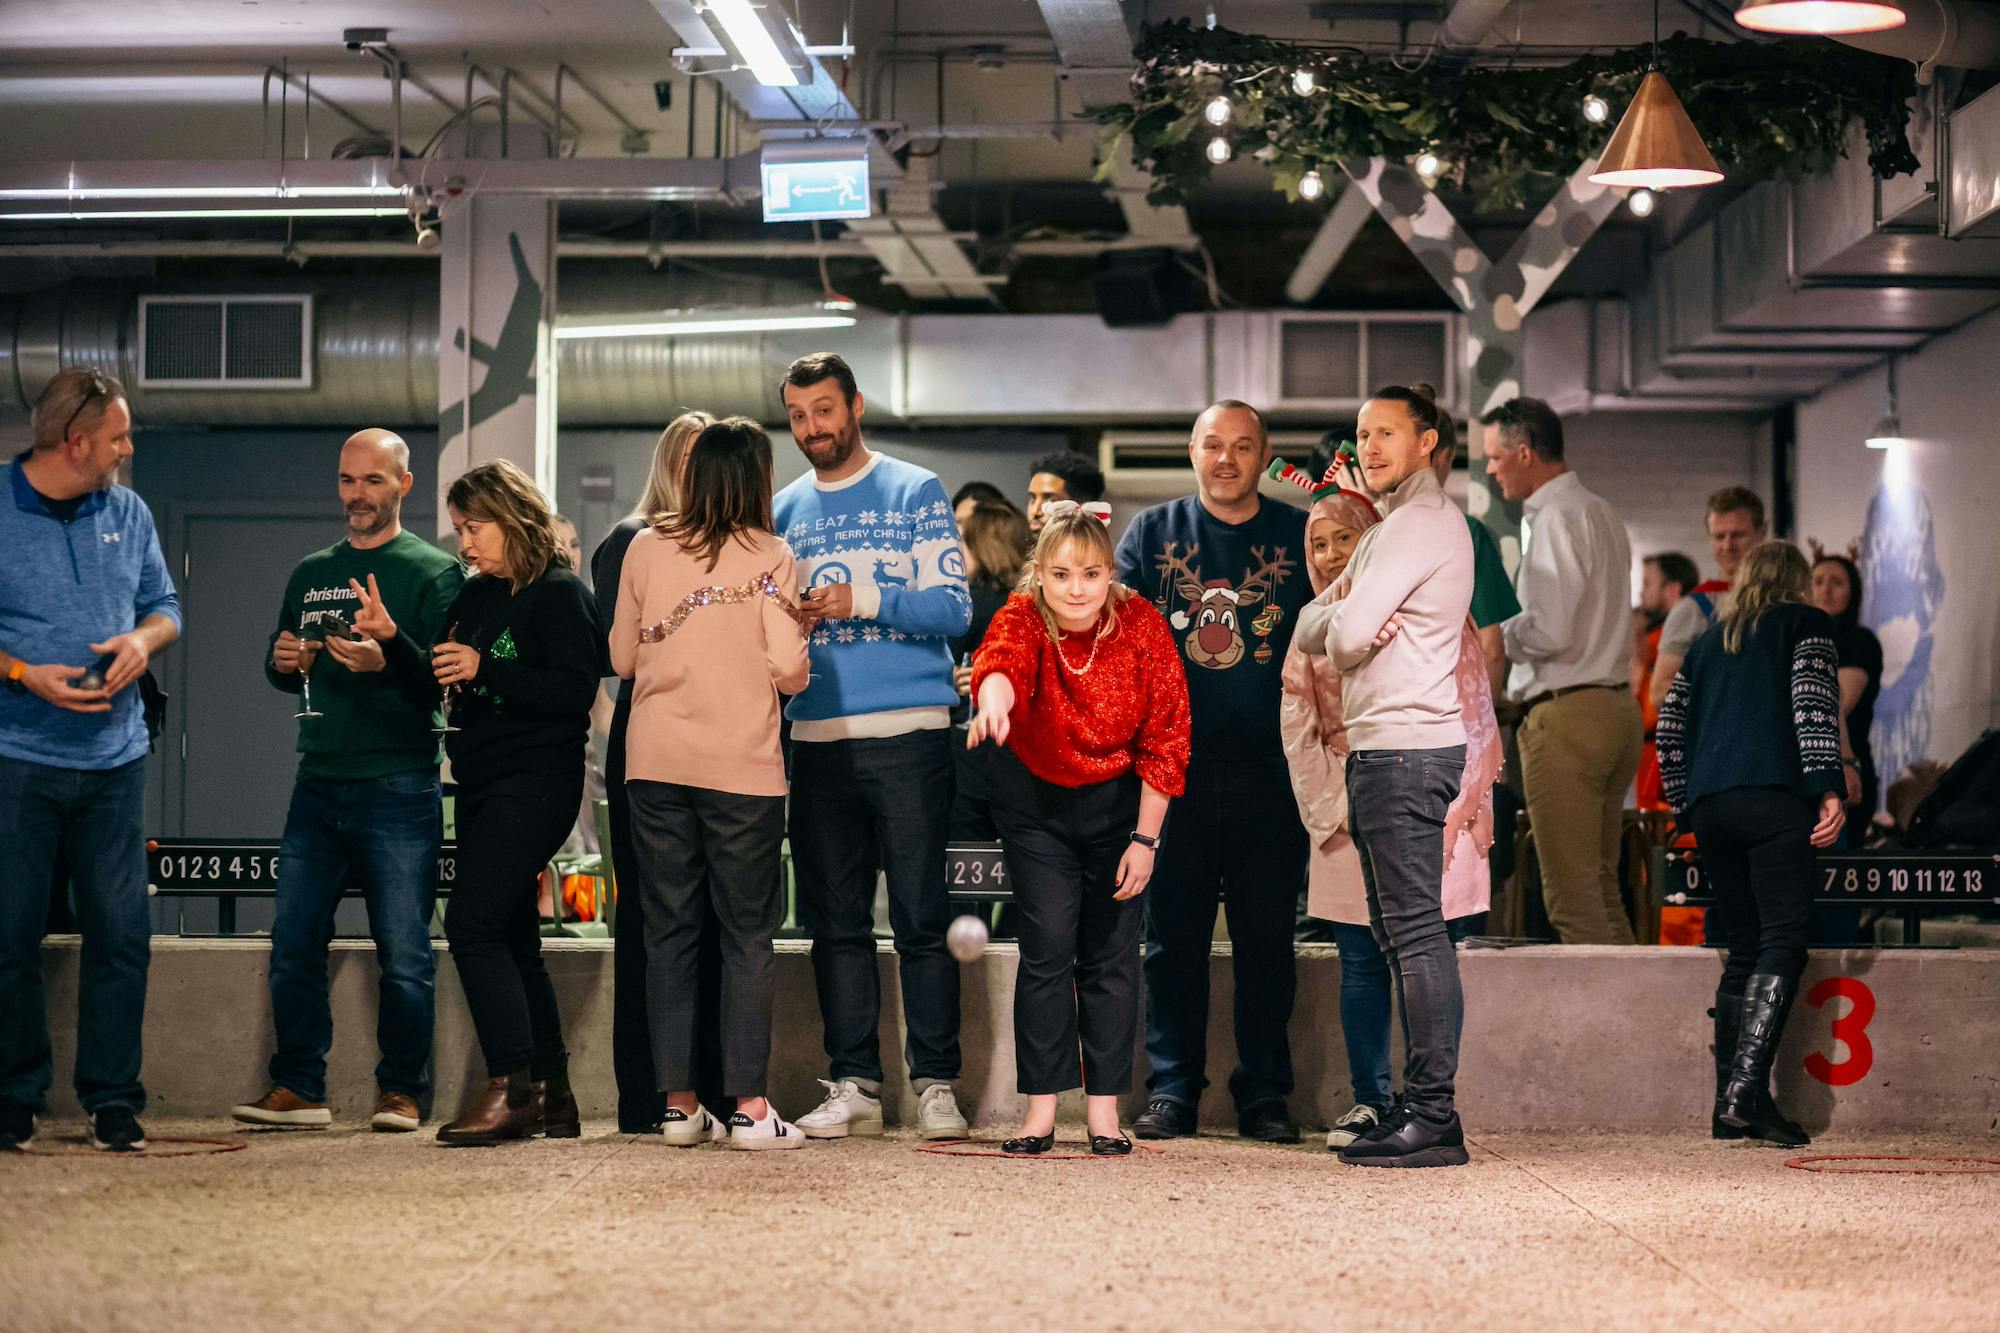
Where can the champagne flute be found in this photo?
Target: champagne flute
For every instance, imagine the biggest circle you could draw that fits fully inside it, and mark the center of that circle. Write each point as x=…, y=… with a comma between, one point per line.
x=308, y=654
x=445, y=726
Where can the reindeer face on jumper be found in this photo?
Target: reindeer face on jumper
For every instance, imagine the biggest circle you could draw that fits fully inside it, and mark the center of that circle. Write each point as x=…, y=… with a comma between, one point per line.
x=1215, y=616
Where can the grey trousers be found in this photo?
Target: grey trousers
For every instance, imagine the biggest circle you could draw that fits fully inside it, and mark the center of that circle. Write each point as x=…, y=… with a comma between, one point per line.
x=692, y=847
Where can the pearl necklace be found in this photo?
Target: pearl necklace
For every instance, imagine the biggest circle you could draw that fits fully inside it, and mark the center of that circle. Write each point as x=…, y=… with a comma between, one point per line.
x=1103, y=627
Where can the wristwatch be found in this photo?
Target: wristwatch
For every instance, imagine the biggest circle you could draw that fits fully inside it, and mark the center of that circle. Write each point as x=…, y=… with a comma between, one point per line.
x=14, y=674
x=1144, y=841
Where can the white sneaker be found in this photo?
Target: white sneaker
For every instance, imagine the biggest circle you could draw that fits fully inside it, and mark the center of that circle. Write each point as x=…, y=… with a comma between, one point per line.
x=772, y=1132
x=682, y=1130
x=938, y=1115
x=1358, y=1121
x=847, y=1110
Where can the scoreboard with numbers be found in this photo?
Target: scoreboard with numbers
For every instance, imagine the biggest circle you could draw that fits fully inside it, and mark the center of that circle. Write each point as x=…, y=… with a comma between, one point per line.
x=1860, y=879
x=192, y=867
x=976, y=870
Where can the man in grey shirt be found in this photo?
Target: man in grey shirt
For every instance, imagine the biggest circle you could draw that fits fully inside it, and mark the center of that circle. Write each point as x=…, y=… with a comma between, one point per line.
x=1735, y=526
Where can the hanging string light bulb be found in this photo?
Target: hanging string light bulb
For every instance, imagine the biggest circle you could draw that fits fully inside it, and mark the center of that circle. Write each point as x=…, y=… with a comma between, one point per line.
x=1596, y=110
x=1429, y=166
x=1216, y=112
x=1219, y=150
x=1642, y=203
x=1311, y=185
x=1304, y=81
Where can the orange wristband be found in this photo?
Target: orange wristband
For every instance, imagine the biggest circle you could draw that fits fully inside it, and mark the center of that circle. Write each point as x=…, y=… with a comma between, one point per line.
x=18, y=670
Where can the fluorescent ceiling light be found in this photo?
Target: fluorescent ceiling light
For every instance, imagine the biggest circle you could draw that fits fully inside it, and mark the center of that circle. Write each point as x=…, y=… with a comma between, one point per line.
x=167, y=214
x=698, y=326
x=209, y=192
x=755, y=42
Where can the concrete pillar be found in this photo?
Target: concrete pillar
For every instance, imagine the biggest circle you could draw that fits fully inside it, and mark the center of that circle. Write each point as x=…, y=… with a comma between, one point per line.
x=496, y=350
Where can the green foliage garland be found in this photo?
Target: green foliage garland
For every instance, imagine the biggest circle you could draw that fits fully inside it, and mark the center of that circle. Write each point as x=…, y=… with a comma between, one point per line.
x=1780, y=109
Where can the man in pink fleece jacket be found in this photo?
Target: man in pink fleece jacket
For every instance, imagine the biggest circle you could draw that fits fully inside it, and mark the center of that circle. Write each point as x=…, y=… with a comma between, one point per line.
x=1393, y=625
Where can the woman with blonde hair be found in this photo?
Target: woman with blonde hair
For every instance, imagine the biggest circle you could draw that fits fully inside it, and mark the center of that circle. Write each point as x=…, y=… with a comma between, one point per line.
x=1749, y=742
x=1079, y=680
x=639, y=1106
x=523, y=654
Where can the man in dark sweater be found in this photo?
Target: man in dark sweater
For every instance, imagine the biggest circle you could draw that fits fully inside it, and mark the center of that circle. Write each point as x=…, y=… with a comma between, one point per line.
x=365, y=808
x=1224, y=565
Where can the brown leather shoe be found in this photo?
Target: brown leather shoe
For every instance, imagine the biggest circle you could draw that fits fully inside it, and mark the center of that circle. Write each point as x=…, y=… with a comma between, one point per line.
x=497, y=1110
x=284, y=1109
x=560, y=1118
x=395, y=1113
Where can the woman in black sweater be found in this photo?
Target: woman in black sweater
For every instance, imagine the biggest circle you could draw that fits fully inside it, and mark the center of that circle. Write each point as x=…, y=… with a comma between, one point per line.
x=523, y=655
x=1749, y=741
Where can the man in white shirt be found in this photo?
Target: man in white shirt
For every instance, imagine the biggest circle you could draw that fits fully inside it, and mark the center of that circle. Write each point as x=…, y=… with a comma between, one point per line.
x=1580, y=736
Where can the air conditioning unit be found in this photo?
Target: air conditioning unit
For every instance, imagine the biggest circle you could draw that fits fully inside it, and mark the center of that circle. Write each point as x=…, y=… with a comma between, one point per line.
x=1153, y=464
x=1331, y=362
x=258, y=341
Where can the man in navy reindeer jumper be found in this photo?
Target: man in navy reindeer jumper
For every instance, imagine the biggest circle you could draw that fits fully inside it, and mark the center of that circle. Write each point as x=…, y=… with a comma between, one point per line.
x=871, y=747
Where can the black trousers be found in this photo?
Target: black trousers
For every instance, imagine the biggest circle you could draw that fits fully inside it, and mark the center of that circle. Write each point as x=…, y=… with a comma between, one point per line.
x=1755, y=846
x=1078, y=983
x=704, y=853
x=631, y=1029
x=507, y=831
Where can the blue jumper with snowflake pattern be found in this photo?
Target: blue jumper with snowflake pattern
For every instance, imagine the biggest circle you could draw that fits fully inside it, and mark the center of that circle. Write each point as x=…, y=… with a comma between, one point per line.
x=888, y=531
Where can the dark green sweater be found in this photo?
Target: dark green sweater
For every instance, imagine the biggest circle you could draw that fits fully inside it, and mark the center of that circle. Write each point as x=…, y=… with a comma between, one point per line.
x=375, y=723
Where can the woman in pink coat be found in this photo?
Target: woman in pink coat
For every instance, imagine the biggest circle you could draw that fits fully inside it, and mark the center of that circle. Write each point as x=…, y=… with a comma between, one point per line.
x=1316, y=749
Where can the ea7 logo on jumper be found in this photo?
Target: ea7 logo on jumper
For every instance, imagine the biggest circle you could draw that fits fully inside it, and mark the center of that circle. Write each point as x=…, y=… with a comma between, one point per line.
x=1213, y=616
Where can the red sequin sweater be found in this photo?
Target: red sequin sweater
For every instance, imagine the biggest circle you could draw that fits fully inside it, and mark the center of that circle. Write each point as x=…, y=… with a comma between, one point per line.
x=1075, y=727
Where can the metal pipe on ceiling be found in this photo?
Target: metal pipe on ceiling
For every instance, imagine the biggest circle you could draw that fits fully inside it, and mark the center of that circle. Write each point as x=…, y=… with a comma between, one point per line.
x=1951, y=33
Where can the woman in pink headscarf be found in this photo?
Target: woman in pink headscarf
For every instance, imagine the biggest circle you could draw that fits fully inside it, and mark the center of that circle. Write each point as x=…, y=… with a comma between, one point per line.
x=1316, y=749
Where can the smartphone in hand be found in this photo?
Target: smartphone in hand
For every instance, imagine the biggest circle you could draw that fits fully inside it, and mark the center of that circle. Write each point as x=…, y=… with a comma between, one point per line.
x=93, y=677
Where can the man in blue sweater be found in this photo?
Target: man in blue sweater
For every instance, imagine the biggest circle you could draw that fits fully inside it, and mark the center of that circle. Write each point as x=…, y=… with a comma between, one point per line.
x=85, y=604
x=871, y=764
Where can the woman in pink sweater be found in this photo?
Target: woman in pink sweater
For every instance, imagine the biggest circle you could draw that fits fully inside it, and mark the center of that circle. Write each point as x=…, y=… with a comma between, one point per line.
x=1316, y=749
x=708, y=630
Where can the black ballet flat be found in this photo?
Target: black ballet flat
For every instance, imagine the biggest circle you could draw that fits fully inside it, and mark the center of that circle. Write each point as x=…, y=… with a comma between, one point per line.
x=1102, y=1145
x=1029, y=1145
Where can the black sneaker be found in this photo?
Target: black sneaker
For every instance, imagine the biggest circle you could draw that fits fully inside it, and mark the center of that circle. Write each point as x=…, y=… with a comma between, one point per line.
x=1267, y=1122
x=17, y=1124
x=1165, y=1118
x=1407, y=1139
x=115, y=1129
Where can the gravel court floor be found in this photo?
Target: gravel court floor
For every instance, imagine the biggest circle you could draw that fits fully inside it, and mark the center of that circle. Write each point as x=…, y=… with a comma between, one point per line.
x=344, y=1229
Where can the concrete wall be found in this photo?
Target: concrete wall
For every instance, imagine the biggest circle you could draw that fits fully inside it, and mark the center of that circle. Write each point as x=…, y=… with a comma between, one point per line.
x=1594, y=1037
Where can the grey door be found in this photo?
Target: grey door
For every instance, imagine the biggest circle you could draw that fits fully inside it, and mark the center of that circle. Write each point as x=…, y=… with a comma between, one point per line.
x=239, y=739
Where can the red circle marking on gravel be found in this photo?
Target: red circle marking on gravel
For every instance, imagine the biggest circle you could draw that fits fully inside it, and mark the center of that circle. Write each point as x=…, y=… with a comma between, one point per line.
x=1833, y=1165
x=979, y=1148
x=156, y=1146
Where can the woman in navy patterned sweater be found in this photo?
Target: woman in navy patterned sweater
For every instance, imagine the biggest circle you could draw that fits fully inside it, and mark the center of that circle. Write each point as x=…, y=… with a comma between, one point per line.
x=1749, y=741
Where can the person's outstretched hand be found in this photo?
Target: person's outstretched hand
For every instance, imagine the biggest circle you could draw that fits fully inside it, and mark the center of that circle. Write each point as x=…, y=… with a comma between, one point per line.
x=373, y=618
x=996, y=701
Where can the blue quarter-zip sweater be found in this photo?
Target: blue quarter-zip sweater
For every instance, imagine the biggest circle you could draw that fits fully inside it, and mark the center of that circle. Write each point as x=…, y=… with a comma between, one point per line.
x=67, y=585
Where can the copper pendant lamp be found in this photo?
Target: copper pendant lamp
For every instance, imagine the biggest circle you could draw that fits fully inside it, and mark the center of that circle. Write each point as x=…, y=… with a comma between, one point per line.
x=1656, y=146
x=1826, y=18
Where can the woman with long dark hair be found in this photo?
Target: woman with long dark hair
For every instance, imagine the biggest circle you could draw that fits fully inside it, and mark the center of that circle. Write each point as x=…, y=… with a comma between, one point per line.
x=1836, y=590
x=640, y=1110
x=523, y=654
x=1749, y=742
x=995, y=536
x=709, y=630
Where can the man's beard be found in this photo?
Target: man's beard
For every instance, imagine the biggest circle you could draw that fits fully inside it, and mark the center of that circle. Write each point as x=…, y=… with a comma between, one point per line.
x=1655, y=617
x=826, y=453
x=367, y=520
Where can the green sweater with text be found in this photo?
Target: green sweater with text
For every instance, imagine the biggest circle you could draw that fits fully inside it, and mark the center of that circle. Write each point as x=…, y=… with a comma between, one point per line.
x=380, y=722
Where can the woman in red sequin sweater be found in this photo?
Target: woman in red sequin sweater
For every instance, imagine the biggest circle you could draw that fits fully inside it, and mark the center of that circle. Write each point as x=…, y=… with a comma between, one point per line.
x=1078, y=679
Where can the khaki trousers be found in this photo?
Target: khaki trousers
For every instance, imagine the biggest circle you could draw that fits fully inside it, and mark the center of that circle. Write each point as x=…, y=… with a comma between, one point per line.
x=1578, y=756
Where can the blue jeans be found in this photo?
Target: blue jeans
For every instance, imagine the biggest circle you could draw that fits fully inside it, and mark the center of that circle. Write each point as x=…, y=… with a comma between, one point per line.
x=381, y=836
x=1235, y=835
x=1397, y=801
x=858, y=805
x=1365, y=1007
x=94, y=816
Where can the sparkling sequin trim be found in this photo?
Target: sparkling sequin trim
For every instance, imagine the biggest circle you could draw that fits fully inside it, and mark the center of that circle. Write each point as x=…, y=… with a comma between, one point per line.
x=761, y=586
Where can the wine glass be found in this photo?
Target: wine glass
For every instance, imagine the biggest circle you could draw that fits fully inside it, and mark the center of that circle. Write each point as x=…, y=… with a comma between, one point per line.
x=445, y=727
x=308, y=654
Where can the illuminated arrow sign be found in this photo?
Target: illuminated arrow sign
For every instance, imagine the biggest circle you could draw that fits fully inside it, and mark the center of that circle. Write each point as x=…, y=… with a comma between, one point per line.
x=816, y=180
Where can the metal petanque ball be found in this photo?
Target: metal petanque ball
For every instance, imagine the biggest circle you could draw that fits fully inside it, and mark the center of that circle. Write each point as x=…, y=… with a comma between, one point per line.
x=966, y=938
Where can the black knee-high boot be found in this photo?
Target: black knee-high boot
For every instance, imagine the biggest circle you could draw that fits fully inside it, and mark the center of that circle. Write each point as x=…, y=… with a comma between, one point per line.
x=1728, y=1016
x=1746, y=1101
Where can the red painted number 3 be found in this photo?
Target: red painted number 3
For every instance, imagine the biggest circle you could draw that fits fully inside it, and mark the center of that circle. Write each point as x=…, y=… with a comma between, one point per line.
x=1850, y=1029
